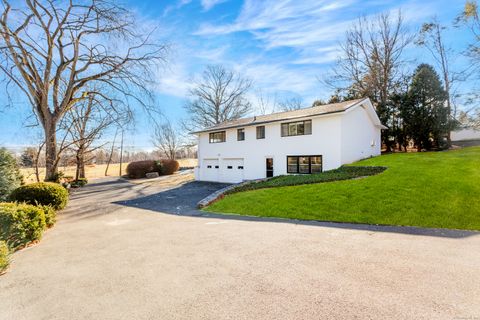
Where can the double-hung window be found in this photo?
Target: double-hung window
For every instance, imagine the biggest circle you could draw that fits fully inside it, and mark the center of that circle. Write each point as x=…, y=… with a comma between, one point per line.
x=298, y=128
x=240, y=134
x=216, y=137
x=304, y=164
x=261, y=132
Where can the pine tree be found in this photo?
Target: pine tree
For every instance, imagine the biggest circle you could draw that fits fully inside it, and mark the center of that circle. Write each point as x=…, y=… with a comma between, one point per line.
x=424, y=112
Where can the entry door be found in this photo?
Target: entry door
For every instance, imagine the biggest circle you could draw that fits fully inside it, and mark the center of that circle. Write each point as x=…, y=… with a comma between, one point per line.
x=269, y=165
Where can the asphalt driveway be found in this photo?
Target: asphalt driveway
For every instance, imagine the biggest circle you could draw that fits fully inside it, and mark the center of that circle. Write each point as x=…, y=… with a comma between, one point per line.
x=124, y=251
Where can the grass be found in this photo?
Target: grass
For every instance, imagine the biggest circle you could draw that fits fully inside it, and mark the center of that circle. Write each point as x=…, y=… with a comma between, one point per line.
x=93, y=171
x=342, y=173
x=434, y=189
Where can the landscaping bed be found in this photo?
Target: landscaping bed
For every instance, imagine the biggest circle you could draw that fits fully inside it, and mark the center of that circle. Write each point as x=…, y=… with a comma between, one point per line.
x=342, y=173
x=428, y=189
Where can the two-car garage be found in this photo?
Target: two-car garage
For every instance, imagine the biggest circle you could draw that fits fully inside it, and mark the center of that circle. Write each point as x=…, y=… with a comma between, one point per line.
x=223, y=169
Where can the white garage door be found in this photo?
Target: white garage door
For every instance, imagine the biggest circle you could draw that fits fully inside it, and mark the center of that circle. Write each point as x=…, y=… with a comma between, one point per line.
x=210, y=170
x=232, y=170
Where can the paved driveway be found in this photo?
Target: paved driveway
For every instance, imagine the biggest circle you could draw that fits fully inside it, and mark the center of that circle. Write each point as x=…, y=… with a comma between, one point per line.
x=125, y=251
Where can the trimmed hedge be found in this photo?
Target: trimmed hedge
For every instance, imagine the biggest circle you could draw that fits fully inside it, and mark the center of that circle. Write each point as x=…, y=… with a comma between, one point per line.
x=4, y=256
x=168, y=166
x=21, y=223
x=42, y=193
x=139, y=169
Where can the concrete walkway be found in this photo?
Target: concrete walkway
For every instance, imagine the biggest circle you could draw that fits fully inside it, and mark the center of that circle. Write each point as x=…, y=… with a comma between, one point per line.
x=124, y=251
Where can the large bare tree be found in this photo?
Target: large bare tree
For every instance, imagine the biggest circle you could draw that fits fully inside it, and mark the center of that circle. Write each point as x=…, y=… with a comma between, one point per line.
x=371, y=57
x=55, y=51
x=371, y=65
x=218, y=96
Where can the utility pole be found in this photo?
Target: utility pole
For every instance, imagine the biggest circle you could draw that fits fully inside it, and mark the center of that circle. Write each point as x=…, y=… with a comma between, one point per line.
x=121, y=154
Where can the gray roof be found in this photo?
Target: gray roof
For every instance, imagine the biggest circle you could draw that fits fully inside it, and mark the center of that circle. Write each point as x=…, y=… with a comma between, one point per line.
x=283, y=116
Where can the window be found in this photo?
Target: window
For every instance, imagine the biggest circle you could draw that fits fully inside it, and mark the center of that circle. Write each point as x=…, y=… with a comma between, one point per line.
x=304, y=164
x=240, y=167
x=298, y=128
x=216, y=137
x=261, y=132
x=292, y=164
x=209, y=167
x=216, y=167
x=229, y=167
x=241, y=134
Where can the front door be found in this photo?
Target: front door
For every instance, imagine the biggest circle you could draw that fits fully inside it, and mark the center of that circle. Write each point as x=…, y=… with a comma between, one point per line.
x=269, y=163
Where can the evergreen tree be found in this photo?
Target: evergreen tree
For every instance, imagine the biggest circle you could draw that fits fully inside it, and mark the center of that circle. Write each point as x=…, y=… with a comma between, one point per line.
x=423, y=111
x=10, y=177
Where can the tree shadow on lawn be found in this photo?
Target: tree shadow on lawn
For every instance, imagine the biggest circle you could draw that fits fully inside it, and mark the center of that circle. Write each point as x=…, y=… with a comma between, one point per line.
x=182, y=201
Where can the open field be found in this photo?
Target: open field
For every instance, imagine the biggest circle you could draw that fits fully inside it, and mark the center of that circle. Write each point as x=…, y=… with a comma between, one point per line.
x=434, y=189
x=94, y=171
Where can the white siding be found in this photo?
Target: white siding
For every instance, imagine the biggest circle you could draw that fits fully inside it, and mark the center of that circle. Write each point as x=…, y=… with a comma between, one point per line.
x=360, y=138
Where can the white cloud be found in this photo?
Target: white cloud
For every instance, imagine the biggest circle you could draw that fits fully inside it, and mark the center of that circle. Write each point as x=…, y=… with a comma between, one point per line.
x=209, y=4
x=306, y=26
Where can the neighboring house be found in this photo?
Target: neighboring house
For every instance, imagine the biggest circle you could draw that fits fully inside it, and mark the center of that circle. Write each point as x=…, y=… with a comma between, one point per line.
x=465, y=134
x=303, y=141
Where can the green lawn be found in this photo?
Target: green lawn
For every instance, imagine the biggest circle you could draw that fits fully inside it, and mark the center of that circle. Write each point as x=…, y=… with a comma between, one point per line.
x=434, y=189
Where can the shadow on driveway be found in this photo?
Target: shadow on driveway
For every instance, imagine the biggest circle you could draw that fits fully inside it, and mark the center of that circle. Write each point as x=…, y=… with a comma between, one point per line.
x=181, y=200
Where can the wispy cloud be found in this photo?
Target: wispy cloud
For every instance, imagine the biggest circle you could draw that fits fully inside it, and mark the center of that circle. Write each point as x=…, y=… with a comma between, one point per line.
x=209, y=4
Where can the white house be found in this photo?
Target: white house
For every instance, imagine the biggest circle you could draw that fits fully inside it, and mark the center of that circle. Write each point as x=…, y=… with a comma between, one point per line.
x=303, y=141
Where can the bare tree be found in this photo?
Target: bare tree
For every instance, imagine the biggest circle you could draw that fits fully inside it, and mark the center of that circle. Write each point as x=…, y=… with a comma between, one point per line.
x=54, y=51
x=265, y=104
x=291, y=104
x=167, y=139
x=372, y=57
x=220, y=95
x=88, y=121
x=431, y=37
x=371, y=66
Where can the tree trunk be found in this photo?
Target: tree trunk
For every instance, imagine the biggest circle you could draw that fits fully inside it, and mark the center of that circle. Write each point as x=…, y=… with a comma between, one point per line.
x=51, y=163
x=80, y=157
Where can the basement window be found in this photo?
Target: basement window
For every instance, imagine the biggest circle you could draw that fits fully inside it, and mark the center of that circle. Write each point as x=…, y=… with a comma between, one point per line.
x=304, y=164
x=209, y=167
x=229, y=167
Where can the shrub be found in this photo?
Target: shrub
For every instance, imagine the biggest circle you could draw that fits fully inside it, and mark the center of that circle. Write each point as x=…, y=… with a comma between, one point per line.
x=4, y=256
x=20, y=223
x=10, y=177
x=168, y=166
x=42, y=193
x=138, y=169
x=81, y=182
x=57, y=177
x=50, y=215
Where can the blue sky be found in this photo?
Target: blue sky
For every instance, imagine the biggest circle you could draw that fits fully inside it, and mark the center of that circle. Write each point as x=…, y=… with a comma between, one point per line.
x=284, y=46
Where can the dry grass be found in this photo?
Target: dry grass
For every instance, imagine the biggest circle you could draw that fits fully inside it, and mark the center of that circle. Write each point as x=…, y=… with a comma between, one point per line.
x=94, y=171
